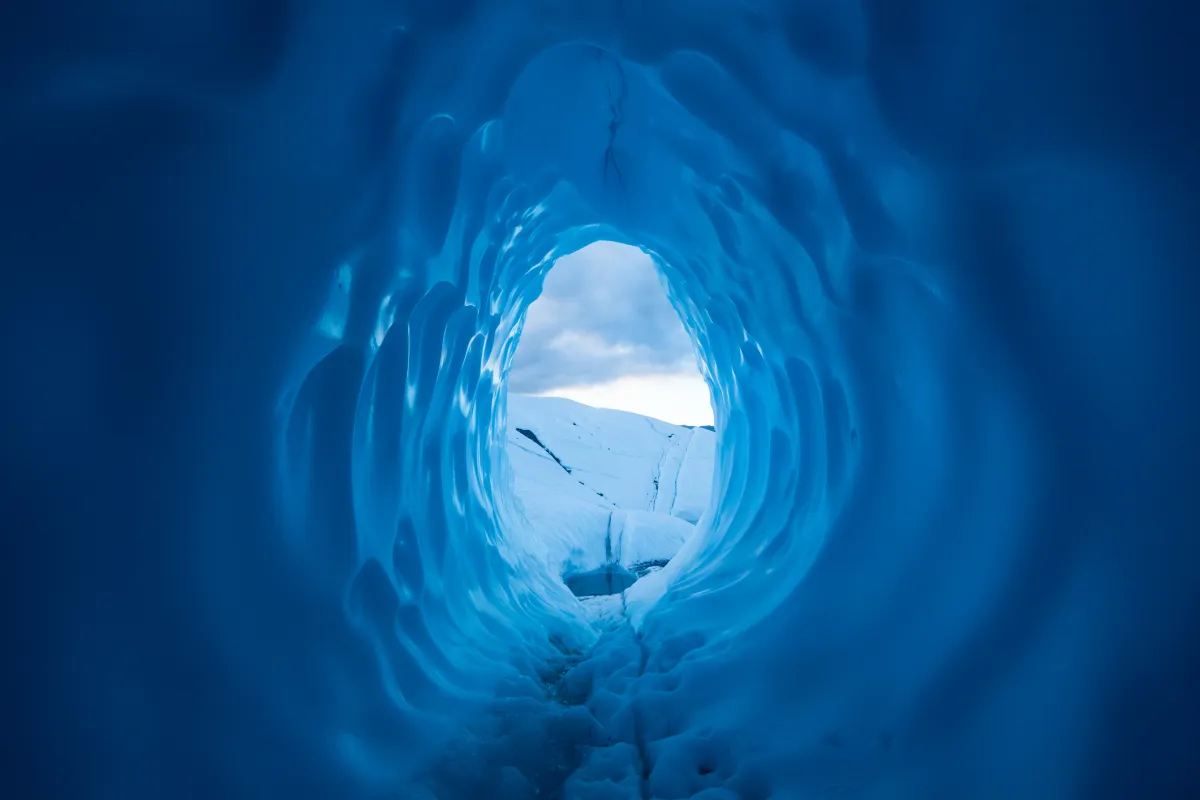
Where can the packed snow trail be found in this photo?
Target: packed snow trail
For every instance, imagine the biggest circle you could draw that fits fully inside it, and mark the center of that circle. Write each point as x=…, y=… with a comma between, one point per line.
x=598, y=731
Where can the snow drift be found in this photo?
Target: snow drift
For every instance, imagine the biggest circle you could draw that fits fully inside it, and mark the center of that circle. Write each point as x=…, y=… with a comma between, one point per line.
x=600, y=487
x=265, y=268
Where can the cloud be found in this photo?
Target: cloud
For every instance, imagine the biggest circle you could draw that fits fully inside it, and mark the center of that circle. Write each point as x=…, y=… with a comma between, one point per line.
x=602, y=316
x=679, y=398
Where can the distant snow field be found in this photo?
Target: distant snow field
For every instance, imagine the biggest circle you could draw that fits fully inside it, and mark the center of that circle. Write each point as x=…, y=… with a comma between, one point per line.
x=610, y=494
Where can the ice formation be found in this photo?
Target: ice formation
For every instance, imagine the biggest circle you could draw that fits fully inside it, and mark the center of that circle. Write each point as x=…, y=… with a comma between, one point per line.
x=266, y=266
x=599, y=489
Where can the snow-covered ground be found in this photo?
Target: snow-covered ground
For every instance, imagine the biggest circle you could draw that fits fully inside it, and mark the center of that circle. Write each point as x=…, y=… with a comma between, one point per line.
x=604, y=488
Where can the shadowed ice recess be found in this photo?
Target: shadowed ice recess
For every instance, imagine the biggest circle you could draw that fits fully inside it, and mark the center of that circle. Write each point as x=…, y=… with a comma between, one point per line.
x=266, y=268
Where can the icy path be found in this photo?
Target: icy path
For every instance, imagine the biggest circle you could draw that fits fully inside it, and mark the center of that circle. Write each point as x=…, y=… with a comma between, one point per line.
x=598, y=488
x=642, y=750
x=604, y=725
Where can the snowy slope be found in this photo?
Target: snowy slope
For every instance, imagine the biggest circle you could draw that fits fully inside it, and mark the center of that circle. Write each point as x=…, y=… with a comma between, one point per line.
x=686, y=482
x=602, y=487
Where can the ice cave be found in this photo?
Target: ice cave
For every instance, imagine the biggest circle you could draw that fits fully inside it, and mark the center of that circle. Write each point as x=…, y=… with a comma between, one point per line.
x=266, y=268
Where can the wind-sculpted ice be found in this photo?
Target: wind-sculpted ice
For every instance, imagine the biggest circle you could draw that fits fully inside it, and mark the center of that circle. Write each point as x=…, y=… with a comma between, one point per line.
x=266, y=267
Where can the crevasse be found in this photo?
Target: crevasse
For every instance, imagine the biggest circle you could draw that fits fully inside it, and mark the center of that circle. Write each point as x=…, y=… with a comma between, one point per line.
x=267, y=267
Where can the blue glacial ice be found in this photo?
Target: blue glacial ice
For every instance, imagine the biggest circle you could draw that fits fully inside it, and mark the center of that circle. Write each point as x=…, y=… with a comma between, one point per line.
x=266, y=265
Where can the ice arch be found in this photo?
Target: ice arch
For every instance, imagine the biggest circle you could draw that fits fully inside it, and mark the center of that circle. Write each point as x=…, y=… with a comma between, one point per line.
x=259, y=299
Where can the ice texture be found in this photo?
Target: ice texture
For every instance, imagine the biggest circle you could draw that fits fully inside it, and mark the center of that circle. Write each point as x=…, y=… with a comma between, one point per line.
x=597, y=487
x=266, y=265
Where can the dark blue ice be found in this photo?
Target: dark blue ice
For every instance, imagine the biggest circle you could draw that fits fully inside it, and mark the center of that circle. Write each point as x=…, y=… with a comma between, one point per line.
x=265, y=266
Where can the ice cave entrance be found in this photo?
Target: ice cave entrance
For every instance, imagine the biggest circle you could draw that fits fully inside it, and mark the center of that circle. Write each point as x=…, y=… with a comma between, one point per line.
x=611, y=436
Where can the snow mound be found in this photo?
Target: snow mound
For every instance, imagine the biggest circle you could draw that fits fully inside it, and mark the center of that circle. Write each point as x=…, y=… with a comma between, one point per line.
x=603, y=488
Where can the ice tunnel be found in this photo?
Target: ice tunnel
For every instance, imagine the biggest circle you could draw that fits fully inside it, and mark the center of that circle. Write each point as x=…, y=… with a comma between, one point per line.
x=266, y=266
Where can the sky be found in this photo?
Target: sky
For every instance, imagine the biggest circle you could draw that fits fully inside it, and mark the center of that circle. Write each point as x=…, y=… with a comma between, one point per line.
x=604, y=333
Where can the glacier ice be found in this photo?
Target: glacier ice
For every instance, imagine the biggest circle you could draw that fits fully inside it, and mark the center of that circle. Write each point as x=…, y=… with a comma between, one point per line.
x=600, y=489
x=266, y=266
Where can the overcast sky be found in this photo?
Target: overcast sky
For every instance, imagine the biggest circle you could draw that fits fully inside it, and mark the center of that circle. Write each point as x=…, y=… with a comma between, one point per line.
x=604, y=333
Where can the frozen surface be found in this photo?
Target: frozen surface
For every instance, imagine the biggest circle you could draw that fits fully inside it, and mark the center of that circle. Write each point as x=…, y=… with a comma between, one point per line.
x=631, y=461
x=590, y=483
x=266, y=266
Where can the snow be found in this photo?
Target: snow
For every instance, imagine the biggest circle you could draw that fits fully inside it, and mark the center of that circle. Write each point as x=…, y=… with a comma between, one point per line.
x=691, y=489
x=610, y=497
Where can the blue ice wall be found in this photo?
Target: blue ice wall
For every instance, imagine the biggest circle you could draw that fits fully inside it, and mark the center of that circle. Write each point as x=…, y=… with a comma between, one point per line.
x=265, y=266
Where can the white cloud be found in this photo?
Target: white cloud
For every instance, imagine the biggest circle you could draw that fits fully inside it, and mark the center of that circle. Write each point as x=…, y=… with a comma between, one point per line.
x=604, y=333
x=679, y=398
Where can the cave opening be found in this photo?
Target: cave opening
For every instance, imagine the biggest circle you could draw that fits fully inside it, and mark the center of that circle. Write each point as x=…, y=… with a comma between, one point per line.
x=603, y=333
x=610, y=422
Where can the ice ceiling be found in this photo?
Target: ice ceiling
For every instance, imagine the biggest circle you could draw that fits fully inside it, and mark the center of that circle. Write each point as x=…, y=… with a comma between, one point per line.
x=266, y=265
